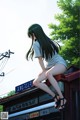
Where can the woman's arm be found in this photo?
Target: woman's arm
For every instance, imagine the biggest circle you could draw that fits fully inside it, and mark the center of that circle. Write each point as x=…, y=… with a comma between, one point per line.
x=40, y=59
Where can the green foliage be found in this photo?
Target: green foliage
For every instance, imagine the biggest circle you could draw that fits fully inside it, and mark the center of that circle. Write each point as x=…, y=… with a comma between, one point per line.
x=1, y=108
x=11, y=93
x=68, y=30
x=70, y=51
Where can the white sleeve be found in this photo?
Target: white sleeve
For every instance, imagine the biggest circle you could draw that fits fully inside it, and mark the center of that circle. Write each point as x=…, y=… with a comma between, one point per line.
x=37, y=49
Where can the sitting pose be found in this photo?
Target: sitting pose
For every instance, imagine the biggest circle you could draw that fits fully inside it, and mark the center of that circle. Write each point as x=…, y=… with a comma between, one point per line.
x=43, y=48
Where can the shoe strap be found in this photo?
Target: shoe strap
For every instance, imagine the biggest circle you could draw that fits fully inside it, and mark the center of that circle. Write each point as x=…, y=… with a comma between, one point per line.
x=62, y=99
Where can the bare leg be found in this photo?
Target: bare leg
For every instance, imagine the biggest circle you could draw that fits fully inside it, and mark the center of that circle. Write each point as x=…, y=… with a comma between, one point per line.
x=57, y=69
x=38, y=83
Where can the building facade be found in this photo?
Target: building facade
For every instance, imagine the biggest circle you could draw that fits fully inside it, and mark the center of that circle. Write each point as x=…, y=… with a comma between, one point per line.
x=30, y=103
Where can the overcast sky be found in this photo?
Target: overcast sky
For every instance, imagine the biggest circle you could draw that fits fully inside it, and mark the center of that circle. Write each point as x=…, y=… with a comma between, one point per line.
x=15, y=18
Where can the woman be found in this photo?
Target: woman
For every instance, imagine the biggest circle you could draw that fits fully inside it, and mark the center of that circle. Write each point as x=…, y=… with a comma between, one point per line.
x=44, y=49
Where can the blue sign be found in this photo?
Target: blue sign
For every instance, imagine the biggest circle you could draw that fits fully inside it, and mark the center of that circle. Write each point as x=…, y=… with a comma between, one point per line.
x=24, y=86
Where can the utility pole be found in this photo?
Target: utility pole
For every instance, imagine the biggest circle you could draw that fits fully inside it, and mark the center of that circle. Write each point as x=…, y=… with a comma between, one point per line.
x=6, y=54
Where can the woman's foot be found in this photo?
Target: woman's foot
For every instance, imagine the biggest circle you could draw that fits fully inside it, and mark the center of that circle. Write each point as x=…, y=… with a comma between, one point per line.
x=62, y=103
x=57, y=101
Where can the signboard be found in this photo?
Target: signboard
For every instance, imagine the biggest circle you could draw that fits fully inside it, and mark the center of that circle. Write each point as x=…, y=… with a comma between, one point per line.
x=23, y=105
x=34, y=114
x=24, y=86
x=44, y=112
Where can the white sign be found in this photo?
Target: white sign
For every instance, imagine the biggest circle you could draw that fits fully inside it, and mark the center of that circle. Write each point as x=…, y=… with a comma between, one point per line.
x=3, y=115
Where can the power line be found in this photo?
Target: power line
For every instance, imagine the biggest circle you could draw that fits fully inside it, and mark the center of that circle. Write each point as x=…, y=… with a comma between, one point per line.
x=4, y=58
x=7, y=74
x=6, y=54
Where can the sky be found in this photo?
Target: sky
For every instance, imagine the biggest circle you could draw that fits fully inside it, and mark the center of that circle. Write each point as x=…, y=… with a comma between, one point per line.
x=15, y=18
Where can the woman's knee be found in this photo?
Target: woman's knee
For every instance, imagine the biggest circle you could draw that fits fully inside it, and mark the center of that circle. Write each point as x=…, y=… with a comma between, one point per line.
x=48, y=74
x=35, y=82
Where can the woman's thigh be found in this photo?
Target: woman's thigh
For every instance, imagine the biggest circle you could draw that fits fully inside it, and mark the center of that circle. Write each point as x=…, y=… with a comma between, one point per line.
x=57, y=69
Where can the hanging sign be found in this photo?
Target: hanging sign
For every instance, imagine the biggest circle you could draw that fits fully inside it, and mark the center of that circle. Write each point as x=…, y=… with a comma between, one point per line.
x=24, y=86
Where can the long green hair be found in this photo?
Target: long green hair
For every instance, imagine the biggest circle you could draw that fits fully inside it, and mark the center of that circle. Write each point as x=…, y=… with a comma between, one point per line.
x=48, y=47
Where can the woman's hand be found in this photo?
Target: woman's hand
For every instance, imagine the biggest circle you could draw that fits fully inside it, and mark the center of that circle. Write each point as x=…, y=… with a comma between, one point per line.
x=42, y=72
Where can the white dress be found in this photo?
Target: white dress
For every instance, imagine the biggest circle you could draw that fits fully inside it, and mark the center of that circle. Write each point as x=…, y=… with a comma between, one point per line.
x=55, y=59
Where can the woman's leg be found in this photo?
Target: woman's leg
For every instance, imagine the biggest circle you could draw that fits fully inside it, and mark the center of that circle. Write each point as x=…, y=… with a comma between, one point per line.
x=57, y=69
x=38, y=83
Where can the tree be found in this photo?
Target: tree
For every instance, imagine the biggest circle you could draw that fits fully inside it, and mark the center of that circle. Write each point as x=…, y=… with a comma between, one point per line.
x=68, y=30
x=1, y=108
x=11, y=93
